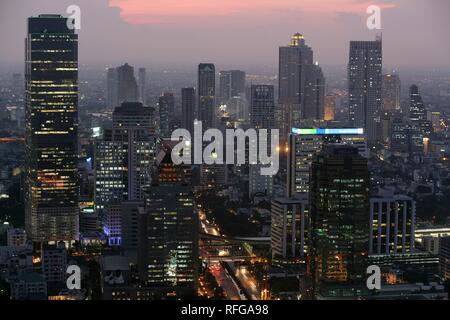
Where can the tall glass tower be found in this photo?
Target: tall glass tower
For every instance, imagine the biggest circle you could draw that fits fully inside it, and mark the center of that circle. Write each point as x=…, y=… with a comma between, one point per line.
x=206, y=94
x=365, y=85
x=339, y=208
x=301, y=85
x=51, y=103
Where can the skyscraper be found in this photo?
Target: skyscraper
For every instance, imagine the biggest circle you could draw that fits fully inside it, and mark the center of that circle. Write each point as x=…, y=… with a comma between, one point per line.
x=51, y=103
x=121, y=85
x=392, y=225
x=168, y=231
x=289, y=228
x=206, y=94
x=142, y=85
x=314, y=96
x=301, y=85
x=365, y=85
x=305, y=144
x=391, y=92
x=124, y=154
x=339, y=209
x=112, y=87
x=188, y=109
x=405, y=137
x=127, y=90
x=262, y=116
x=166, y=105
x=262, y=107
x=417, y=112
x=231, y=84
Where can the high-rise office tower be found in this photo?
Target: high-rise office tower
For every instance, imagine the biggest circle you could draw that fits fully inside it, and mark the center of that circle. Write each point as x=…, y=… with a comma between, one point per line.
x=301, y=85
x=405, y=137
x=54, y=262
x=262, y=107
x=289, y=228
x=391, y=92
x=121, y=85
x=306, y=143
x=142, y=85
x=365, y=85
x=124, y=154
x=127, y=90
x=206, y=94
x=339, y=210
x=262, y=116
x=120, y=223
x=231, y=84
x=112, y=85
x=418, y=114
x=314, y=94
x=166, y=106
x=259, y=184
x=168, y=231
x=51, y=104
x=392, y=225
x=188, y=109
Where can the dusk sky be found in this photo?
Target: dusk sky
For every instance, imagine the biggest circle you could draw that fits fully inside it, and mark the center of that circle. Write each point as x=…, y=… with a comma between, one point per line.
x=236, y=33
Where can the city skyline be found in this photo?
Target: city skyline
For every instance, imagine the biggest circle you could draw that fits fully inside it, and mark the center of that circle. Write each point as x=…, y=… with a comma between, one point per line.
x=134, y=184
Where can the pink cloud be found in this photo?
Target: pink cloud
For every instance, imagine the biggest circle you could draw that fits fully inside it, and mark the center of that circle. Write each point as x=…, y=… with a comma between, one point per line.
x=163, y=11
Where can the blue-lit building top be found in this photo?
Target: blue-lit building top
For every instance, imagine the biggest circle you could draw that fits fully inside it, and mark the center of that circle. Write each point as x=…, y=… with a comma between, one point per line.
x=326, y=131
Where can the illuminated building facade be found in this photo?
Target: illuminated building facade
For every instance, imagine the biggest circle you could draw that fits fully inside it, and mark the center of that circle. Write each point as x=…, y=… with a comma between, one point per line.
x=51, y=103
x=289, y=227
x=418, y=114
x=121, y=223
x=168, y=231
x=405, y=137
x=391, y=92
x=339, y=209
x=124, y=155
x=392, y=225
x=365, y=85
x=304, y=144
